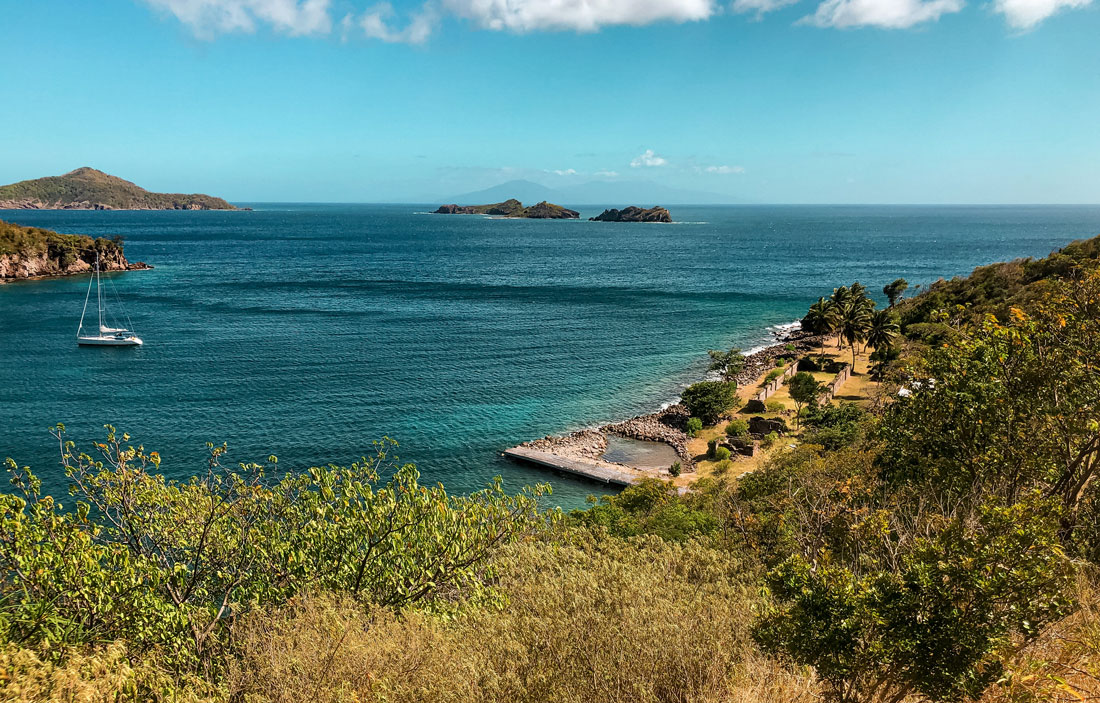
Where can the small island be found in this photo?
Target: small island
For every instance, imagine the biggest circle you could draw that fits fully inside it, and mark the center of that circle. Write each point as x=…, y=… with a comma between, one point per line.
x=89, y=189
x=512, y=208
x=30, y=252
x=633, y=214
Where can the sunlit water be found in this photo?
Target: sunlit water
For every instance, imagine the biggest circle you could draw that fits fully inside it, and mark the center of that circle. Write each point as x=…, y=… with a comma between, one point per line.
x=308, y=331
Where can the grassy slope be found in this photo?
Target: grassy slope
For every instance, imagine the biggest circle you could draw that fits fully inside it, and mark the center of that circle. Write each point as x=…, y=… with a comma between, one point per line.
x=96, y=187
x=33, y=241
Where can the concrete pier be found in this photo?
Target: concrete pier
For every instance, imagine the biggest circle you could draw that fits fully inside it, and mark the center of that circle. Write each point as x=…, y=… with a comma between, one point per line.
x=588, y=468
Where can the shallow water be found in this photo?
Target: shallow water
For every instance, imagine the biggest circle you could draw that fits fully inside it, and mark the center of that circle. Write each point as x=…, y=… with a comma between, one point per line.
x=639, y=453
x=308, y=331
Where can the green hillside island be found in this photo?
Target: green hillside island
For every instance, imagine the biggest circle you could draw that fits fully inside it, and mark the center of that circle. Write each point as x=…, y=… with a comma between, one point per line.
x=512, y=208
x=938, y=541
x=27, y=252
x=89, y=189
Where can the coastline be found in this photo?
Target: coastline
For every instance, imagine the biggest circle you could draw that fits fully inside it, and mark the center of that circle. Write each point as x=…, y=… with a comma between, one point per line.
x=667, y=425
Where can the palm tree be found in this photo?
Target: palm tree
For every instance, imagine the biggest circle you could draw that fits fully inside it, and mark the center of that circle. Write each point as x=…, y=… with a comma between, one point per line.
x=854, y=322
x=883, y=330
x=821, y=319
x=840, y=299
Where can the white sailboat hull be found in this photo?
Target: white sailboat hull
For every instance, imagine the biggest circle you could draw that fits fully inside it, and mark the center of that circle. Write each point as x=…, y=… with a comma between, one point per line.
x=109, y=341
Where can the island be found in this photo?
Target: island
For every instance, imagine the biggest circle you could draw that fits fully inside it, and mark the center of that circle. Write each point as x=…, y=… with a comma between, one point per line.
x=633, y=214
x=30, y=252
x=89, y=189
x=512, y=208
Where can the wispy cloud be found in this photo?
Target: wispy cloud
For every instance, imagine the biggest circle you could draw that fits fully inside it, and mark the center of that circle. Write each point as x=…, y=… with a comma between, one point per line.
x=723, y=169
x=565, y=172
x=648, y=159
x=1027, y=14
x=887, y=14
x=579, y=15
x=376, y=24
x=208, y=18
x=760, y=7
x=606, y=174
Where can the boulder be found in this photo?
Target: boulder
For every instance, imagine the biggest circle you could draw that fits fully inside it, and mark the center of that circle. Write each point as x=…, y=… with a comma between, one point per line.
x=760, y=426
x=755, y=406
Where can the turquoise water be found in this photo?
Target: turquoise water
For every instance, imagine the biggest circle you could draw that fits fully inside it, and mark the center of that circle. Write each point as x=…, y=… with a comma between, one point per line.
x=309, y=330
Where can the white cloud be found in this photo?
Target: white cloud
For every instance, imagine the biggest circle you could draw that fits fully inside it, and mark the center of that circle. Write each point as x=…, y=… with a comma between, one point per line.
x=760, y=7
x=724, y=169
x=375, y=24
x=648, y=158
x=208, y=18
x=1027, y=14
x=887, y=14
x=579, y=15
x=606, y=174
x=566, y=172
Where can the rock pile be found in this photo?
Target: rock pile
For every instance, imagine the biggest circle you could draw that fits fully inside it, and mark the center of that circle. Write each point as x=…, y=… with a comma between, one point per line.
x=589, y=444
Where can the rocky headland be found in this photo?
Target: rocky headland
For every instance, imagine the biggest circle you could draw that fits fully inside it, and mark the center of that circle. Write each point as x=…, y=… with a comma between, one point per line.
x=512, y=208
x=31, y=252
x=89, y=189
x=633, y=214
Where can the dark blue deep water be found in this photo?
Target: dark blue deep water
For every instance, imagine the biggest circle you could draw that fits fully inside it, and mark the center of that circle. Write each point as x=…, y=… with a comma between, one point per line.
x=307, y=331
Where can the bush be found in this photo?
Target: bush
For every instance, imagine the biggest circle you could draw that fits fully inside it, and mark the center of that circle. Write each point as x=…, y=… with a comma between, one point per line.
x=774, y=406
x=712, y=446
x=675, y=469
x=737, y=428
x=722, y=467
x=770, y=439
x=694, y=424
x=707, y=400
x=834, y=425
x=722, y=453
x=772, y=375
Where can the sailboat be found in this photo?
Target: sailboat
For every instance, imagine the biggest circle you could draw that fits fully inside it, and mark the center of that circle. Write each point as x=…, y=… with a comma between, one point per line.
x=107, y=336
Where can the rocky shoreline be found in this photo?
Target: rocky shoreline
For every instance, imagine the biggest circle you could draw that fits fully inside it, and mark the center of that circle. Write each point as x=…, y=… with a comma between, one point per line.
x=668, y=424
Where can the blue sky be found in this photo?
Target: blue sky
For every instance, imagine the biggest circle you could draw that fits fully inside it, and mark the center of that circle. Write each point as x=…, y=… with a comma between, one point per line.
x=760, y=101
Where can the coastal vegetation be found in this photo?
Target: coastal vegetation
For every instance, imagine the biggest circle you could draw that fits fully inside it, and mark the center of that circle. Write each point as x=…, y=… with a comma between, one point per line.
x=88, y=189
x=32, y=251
x=512, y=208
x=939, y=540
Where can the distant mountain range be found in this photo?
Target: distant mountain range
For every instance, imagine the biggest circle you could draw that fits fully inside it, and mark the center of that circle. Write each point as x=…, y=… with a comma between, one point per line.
x=593, y=193
x=89, y=189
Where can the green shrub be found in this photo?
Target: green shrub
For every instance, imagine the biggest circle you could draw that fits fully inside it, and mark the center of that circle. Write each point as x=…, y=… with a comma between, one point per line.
x=737, y=428
x=675, y=469
x=694, y=424
x=774, y=406
x=707, y=400
x=722, y=467
x=722, y=453
x=772, y=375
x=770, y=439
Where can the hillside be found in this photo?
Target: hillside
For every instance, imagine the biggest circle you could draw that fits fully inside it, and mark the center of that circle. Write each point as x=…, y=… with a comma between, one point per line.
x=26, y=252
x=512, y=208
x=89, y=189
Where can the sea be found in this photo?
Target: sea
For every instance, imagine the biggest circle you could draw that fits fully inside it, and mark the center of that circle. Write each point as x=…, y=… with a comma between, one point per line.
x=309, y=331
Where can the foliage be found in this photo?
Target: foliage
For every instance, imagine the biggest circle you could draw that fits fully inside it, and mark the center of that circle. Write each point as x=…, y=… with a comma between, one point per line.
x=171, y=566
x=712, y=446
x=772, y=375
x=804, y=390
x=893, y=291
x=774, y=406
x=650, y=507
x=727, y=363
x=834, y=426
x=770, y=439
x=675, y=469
x=26, y=242
x=722, y=453
x=882, y=330
x=708, y=400
x=737, y=428
x=928, y=618
x=694, y=424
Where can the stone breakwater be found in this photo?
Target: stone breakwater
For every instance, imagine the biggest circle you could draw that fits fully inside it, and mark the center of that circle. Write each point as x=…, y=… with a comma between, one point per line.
x=587, y=444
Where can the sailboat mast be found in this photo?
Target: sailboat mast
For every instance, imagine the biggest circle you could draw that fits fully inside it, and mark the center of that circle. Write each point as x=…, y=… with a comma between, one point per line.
x=98, y=294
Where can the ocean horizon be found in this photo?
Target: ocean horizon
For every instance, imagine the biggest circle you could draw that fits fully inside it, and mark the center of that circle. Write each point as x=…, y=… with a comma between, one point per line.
x=309, y=330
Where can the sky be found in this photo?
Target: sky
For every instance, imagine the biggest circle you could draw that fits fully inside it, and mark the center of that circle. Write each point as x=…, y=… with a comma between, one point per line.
x=754, y=101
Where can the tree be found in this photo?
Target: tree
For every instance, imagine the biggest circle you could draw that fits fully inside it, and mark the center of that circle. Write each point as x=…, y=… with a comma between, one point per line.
x=855, y=320
x=893, y=291
x=821, y=319
x=804, y=390
x=728, y=363
x=171, y=566
x=928, y=618
x=882, y=330
x=708, y=400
